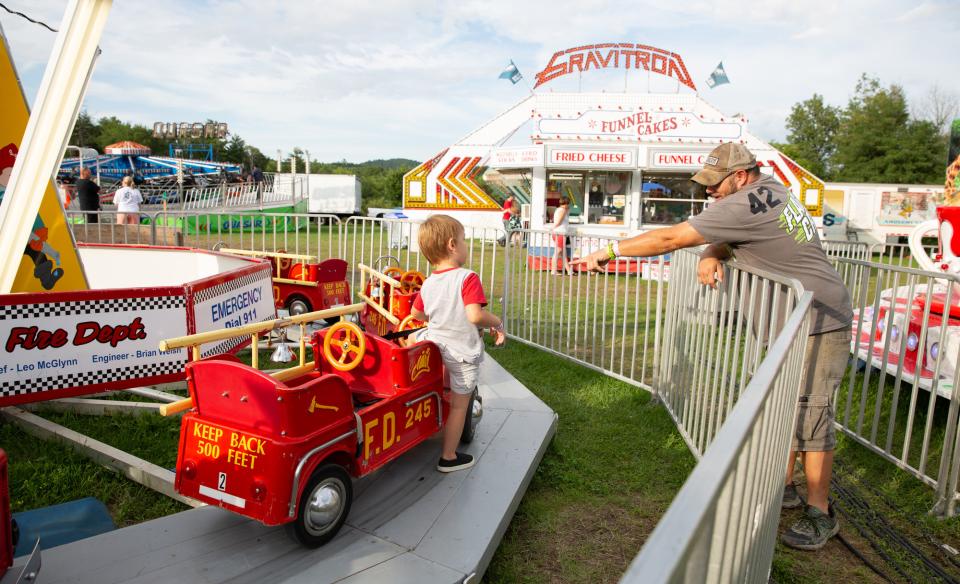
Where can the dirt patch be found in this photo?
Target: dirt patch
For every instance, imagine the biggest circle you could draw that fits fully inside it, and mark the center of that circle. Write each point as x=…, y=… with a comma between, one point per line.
x=581, y=542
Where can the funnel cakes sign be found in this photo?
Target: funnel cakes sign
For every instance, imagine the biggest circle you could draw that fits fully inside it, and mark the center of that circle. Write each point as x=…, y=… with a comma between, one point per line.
x=616, y=56
x=639, y=125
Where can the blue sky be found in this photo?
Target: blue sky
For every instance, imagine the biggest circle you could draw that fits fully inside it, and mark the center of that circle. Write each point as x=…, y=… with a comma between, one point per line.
x=365, y=79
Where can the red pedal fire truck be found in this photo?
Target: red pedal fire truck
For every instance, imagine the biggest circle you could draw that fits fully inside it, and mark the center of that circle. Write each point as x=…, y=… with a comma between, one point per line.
x=281, y=447
x=303, y=284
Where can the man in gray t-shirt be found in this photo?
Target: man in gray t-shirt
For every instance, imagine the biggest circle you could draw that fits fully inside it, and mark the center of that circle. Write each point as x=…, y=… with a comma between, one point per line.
x=759, y=222
x=764, y=226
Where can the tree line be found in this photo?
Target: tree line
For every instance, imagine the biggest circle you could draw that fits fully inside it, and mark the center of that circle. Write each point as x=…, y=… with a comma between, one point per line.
x=381, y=180
x=876, y=137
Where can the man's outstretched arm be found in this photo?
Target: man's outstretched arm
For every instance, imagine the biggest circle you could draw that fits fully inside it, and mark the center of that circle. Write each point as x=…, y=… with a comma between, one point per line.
x=652, y=243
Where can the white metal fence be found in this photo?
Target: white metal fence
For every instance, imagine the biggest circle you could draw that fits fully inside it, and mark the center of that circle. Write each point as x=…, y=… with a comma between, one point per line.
x=607, y=323
x=722, y=525
x=714, y=340
x=898, y=398
x=274, y=190
x=896, y=254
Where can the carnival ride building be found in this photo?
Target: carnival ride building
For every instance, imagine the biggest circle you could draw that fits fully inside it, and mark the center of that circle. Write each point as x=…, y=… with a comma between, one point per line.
x=130, y=158
x=625, y=159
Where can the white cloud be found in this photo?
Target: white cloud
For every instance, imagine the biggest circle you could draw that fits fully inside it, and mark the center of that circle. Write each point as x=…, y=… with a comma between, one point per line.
x=365, y=79
x=812, y=32
x=920, y=11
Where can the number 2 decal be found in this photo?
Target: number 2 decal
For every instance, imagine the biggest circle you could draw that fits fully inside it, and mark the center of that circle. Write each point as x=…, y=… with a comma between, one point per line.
x=222, y=482
x=757, y=205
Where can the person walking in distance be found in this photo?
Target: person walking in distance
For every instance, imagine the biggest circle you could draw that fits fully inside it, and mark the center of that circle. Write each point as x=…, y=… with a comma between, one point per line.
x=128, y=200
x=89, y=194
x=561, y=220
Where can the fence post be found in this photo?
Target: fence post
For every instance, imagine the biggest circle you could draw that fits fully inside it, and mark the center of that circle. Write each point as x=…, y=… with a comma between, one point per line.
x=947, y=477
x=508, y=266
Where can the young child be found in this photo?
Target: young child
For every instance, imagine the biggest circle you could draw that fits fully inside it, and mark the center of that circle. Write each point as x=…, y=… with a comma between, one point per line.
x=451, y=302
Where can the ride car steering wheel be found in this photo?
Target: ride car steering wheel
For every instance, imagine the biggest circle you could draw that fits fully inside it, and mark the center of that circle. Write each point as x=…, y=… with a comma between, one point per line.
x=411, y=281
x=349, y=341
x=383, y=258
x=284, y=263
x=394, y=272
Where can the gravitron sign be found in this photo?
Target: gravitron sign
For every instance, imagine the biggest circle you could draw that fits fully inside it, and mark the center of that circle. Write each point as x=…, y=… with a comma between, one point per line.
x=175, y=130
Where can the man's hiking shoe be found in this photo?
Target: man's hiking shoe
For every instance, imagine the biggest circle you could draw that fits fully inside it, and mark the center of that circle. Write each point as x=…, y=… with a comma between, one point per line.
x=461, y=462
x=791, y=498
x=812, y=531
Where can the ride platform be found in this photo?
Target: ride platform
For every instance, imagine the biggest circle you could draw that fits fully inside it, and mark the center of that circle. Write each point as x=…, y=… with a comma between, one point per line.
x=409, y=523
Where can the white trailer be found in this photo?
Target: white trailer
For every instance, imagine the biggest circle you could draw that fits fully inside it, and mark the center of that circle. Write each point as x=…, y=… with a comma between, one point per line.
x=337, y=194
x=875, y=212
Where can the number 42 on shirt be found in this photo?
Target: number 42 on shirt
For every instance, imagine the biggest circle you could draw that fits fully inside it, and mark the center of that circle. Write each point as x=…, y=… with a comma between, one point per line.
x=757, y=204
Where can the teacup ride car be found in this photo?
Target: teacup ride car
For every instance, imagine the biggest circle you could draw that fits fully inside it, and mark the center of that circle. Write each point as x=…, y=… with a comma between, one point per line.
x=302, y=283
x=913, y=331
x=389, y=297
x=281, y=446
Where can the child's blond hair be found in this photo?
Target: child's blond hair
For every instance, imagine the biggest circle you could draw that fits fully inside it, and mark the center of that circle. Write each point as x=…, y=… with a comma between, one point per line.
x=435, y=233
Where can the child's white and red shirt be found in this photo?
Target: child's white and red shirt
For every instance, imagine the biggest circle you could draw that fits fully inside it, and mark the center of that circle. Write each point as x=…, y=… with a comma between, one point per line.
x=444, y=297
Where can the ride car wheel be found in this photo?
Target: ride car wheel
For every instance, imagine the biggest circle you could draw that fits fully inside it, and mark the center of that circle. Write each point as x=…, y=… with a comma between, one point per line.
x=474, y=415
x=299, y=306
x=324, y=506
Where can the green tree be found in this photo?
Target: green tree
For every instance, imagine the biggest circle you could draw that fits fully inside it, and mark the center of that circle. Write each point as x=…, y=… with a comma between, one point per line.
x=811, y=141
x=110, y=131
x=877, y=141
x=235, y=150
x=84, y=130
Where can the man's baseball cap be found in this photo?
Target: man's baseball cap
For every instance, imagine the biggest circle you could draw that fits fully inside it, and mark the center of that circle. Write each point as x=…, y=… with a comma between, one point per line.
x=723, y=160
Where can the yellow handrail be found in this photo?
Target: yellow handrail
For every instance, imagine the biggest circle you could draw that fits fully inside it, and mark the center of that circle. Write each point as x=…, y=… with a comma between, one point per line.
x=270, y=254
x=257, y=327
x=297, y=282
x=176, y=407
x=377, y=303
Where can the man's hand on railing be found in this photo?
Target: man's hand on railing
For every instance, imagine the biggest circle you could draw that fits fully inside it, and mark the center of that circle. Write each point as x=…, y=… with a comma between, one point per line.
x=710, y=271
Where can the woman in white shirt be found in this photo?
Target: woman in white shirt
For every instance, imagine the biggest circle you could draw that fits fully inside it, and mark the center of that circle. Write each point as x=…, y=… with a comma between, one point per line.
x=128, y=199
x=561, y=218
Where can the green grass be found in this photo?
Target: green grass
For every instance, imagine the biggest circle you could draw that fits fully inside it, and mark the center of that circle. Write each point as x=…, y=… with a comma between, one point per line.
x=611, y=471
x=46, y=473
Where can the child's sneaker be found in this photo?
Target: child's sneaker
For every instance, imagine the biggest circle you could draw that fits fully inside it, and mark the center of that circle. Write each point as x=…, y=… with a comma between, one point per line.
x=461, y=462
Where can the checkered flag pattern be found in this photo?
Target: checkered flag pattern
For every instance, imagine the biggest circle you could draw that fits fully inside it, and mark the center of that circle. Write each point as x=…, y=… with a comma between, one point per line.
x=228, y=344
x=89, y=378
x=222, y=347
x=55, y=309
x=213, y=291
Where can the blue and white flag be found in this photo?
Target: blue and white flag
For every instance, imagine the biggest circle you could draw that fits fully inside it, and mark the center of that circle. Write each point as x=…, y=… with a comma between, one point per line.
x=511, y=73
x=718, y=77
